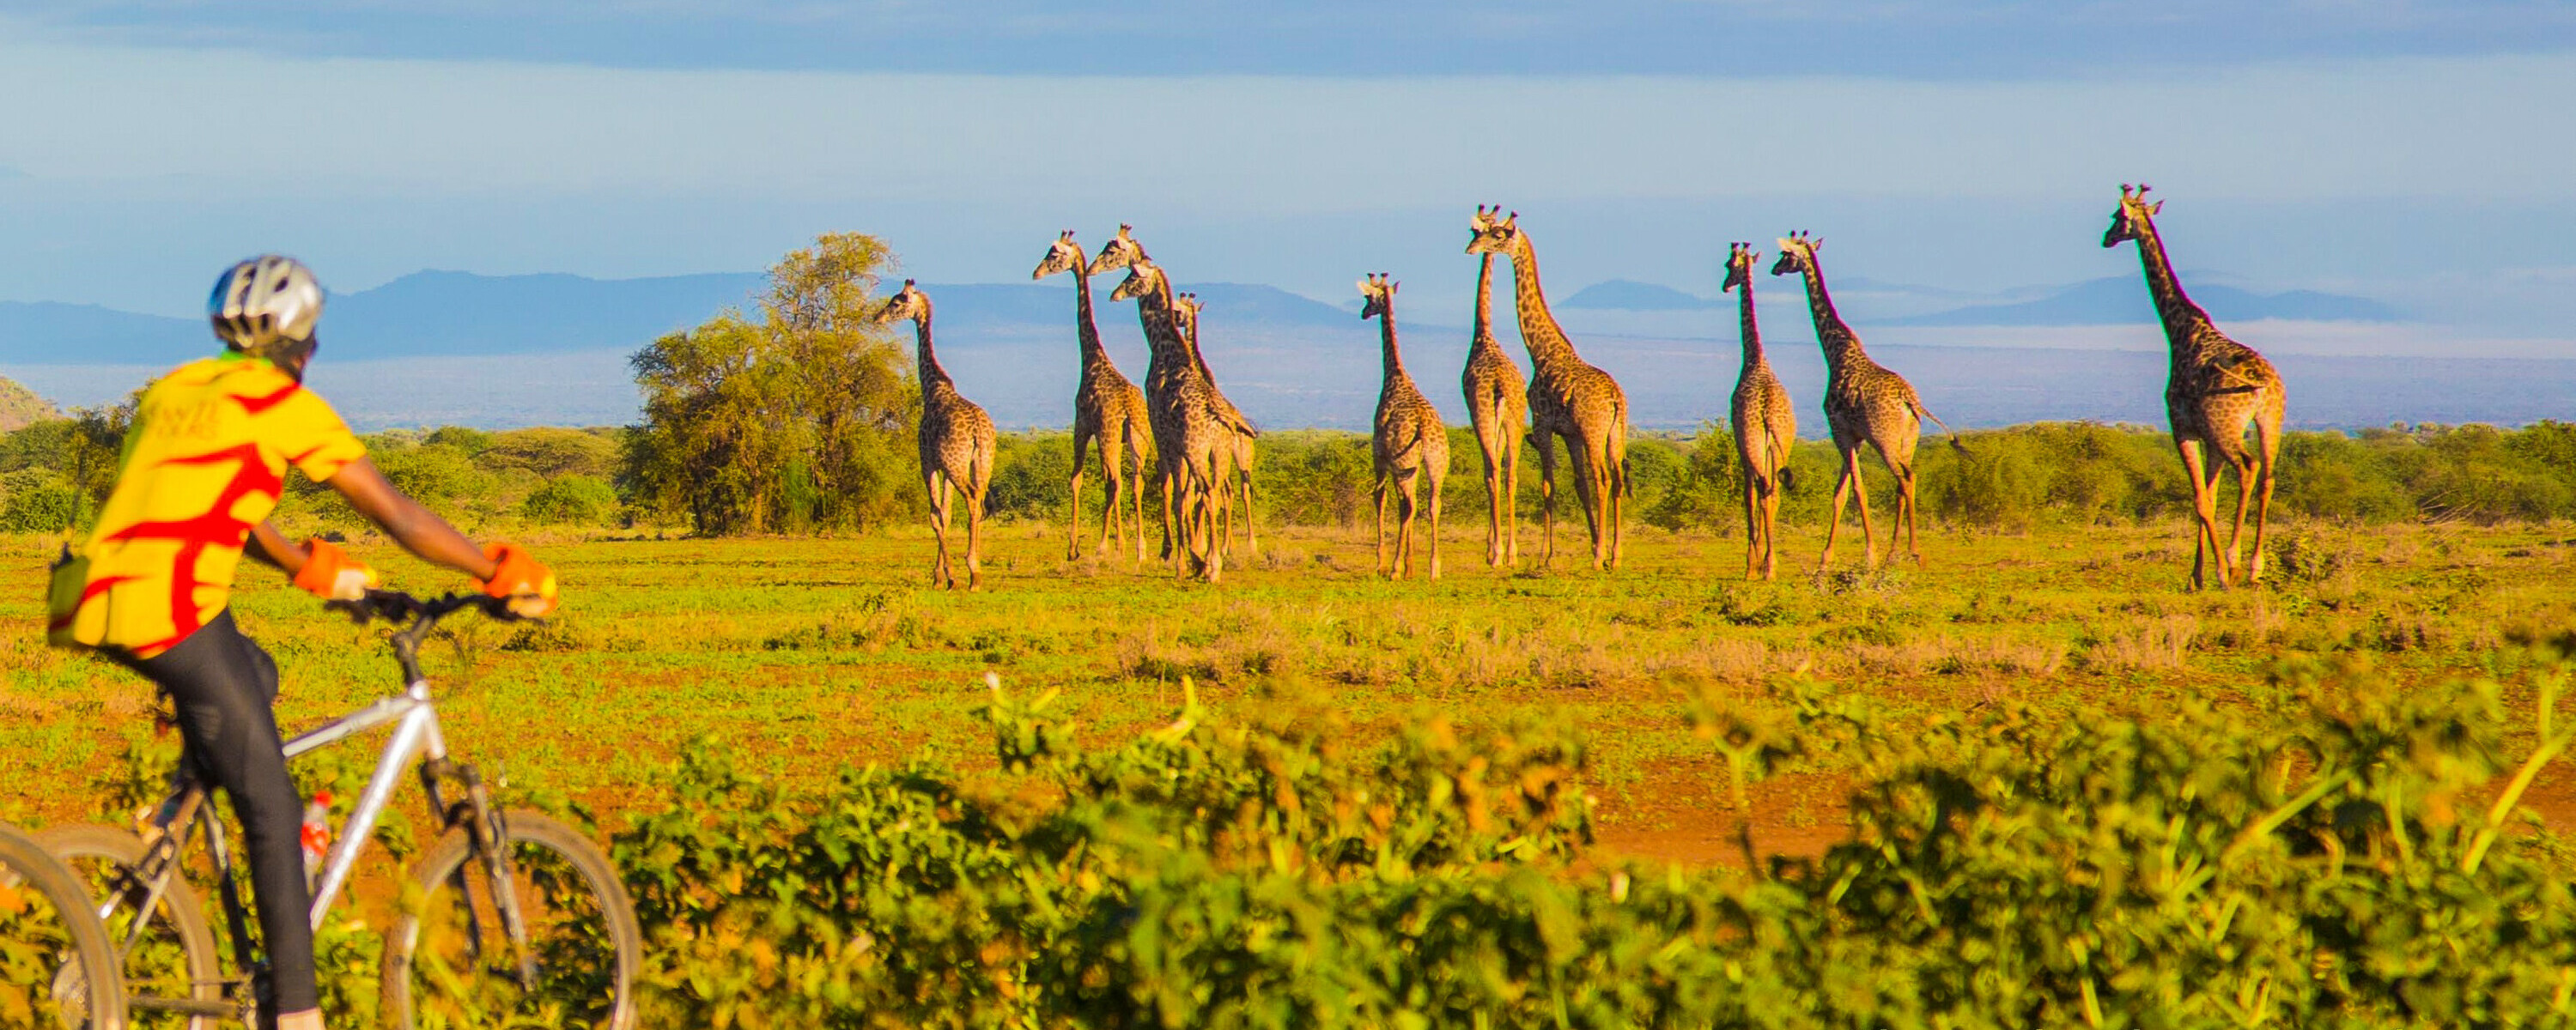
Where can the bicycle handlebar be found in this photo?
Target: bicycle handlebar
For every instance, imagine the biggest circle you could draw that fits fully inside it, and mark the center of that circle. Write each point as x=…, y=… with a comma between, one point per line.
x=397, y=606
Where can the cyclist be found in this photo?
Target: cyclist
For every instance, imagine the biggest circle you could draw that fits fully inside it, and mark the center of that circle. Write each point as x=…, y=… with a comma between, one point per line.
x=204, y=464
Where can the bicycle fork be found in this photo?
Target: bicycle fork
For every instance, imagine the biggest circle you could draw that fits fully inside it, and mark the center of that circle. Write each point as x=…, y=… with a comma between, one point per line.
x=489, y=836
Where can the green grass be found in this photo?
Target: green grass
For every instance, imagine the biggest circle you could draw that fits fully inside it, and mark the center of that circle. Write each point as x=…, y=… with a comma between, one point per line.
x=808, y=654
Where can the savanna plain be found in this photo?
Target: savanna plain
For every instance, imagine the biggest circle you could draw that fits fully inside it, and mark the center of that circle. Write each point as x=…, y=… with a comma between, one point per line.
x=2031, y=781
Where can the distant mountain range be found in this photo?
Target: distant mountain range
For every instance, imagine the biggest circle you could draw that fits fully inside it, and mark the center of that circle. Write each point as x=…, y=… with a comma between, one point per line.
x=458, y=314
x=2118, y=300
x=441, y=314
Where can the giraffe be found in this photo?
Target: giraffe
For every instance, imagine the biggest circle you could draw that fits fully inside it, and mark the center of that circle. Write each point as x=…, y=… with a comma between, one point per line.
x=1122, y=251
x=1408, y=444
x=2213, y=388
x=1106, y=408
x=1766, y=426
x=956, y=443
x=1865, y=404
x=1498, y=406
x=1239, y=443
x=1189, y=435
x=1568, y=399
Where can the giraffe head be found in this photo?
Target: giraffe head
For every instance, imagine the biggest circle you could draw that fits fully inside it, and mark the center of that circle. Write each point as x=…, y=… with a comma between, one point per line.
x=1063, y=255
x=1185, y=315
x=1118, y=253
x=1377, y=295
x=910, y=303
x=1797, y=253
x=1739, y=266
x=2133, y=220
x=1495, y=232
x=1143, y=277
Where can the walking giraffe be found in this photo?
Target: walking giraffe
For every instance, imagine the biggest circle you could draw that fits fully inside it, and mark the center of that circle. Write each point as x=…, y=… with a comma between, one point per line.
x=956, y=443
x=1865, y=404
x=1408, y=442
x=1568, y=399
x=1189, y=437
x=1498, y=406
x=1106, y=408
x=2213, y=388
x=1237, y=473
x=1766, y=426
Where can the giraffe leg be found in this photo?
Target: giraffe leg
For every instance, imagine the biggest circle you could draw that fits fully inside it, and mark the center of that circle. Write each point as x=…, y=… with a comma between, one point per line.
x=2267, y=430
x=1073, y=527
x=1135, y=487
x=979, y=484
x=1493, y=512
x=1251, y=524
x=2204, y=542
x=1752, y=522
x=1546, y=444
x=937, y=483
x=1436, y=483
x=1511, y=502
x=1904, y=514
x=1771, y=527
x=1579, y=461
x=1844, y=481
x=2244, y=503
x=1617, y=504
x=1379, y=535
x=1860, y=499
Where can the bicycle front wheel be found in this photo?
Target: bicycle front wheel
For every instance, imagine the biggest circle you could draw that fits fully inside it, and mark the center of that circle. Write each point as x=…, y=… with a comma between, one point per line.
x=57, y=966
x=168, y=954
x=451, y=961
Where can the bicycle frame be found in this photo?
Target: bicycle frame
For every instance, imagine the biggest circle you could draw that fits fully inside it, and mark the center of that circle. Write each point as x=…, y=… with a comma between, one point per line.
x=416, y=736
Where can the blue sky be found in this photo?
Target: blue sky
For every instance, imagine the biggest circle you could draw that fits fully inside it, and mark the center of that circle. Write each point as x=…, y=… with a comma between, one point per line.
x=2408, y=151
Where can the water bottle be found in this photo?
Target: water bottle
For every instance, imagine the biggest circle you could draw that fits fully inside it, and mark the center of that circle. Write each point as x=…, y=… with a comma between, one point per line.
x=316, y=835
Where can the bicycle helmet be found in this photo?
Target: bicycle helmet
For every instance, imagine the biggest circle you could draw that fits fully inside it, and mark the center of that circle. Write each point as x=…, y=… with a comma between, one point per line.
x=265, y=306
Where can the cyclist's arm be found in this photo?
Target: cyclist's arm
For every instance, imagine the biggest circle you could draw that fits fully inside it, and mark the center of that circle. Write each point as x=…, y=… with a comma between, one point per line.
x=273, y=548
x=416, y=528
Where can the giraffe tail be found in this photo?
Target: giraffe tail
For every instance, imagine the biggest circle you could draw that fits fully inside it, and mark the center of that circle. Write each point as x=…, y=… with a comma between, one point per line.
x=1788, y=480
x=1953, y=434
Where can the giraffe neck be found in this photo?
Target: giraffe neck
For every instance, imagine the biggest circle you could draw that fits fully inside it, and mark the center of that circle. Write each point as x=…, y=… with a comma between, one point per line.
x=1539, y=331
x=1483, y=334
x=1162, y=326
x=1093, y=354
x=929, y=359
x=2179, y=315
x=1391, y=362
x=1744, y=315
x=1841, y=345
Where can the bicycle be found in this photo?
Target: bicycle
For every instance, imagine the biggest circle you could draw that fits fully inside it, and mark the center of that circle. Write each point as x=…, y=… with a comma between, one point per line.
x=57, y=965
x=550, y=938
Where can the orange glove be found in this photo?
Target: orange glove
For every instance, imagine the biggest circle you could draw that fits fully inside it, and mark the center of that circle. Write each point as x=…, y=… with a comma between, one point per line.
x=330, y=574
x=526, y=583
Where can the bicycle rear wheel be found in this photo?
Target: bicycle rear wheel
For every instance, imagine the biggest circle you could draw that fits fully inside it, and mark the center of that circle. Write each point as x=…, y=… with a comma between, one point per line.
x=450, y=962
x=57, y=967
x=171, y=975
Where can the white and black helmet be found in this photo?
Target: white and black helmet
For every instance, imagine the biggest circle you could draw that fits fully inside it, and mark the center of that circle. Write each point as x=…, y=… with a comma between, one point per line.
x=265, y=304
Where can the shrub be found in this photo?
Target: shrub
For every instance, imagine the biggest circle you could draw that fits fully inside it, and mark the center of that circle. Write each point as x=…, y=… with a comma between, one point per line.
x=40, y=503
x=572, y=500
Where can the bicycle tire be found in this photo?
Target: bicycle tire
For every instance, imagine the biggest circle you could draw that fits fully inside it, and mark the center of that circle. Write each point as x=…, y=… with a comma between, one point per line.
x=103, y=858
x=566, y=884
x=85, y=990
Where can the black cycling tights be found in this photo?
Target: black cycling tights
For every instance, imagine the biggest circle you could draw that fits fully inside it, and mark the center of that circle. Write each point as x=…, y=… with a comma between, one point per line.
x=223, y=685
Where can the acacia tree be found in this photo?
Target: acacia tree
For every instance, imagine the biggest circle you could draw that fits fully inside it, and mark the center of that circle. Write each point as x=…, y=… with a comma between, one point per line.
x=792, y=422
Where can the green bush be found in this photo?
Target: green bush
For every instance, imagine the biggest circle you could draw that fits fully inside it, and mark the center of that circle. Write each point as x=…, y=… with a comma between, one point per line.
x=2319, y=864
x=431, y=472
x=39, y=503
x=572, y=500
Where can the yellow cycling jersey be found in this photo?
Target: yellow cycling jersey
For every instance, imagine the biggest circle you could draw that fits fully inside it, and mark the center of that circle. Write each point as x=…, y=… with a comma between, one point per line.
x=205, y=461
